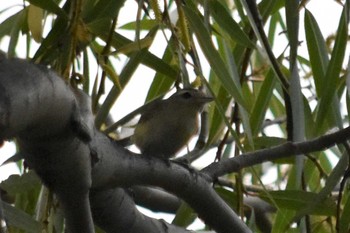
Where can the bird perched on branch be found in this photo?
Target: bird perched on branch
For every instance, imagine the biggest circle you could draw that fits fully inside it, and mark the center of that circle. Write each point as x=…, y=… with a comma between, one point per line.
x=167, y=125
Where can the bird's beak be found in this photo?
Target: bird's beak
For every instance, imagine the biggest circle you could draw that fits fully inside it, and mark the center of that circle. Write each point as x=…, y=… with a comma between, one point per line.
x=206, y=99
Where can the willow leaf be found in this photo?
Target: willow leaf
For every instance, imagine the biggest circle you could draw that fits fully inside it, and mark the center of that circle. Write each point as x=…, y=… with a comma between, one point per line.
x=333, y=71
x=213, y=57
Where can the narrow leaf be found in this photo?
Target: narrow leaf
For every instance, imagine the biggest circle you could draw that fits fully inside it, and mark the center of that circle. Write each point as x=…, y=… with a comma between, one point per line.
x=321, y=198
x=161, y=83
x=262, y=101
x=7, y=25
x=292, y=17
x=15, y=31
x=213, y=56
x=333, y=71
x=145, y=24
x=102, y=9
x=344, y=224
x=50, y=6
x=228, y=24
x=148, y=59
x=20, y=219
x=294, y=200
x=317, y=51
x=184, y=216
x=35, y=16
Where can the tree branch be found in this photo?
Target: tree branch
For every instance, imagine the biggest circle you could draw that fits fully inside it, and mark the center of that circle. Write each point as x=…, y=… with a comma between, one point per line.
x=287, y=149
x=155, y=199
x=114, y=168
x=256, y=23
x=43, y=113
x=53, y=125
x=114, y=211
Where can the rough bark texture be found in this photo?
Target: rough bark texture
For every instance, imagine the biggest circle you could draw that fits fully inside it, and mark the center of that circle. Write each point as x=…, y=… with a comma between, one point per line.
x=53, y=125
x=42, y=112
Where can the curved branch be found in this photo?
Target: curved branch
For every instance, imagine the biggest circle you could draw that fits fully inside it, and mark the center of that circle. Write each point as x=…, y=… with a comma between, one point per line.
x=114, y=166
x=43, y=113
x=53, y=125
x=114, y=211
x=287, y=149
x=155, y=199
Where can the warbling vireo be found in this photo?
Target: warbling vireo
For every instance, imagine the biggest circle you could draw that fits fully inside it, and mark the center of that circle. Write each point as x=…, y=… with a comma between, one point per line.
x=168, y=125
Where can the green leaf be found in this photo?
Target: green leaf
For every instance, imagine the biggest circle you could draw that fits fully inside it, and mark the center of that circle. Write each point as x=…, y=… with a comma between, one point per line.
x=35, y=17
x=161, y=83
x=145, y=24
x=220, y=110
x=213, y=57
x=228, y=196
x=17, y=184
x=262, y=101
x=20, y=219
x=269, y=7
x=25, y=188
x=184, y=216
x=217, y=123
x=296, y=96
x=296, y=200
x=256, y=24
x=108, y=9
x=217, y=112
x=317, y=51
x=86, y=71
x=124, y=77
x=99, y=27
x=312, y=175
x=49, y=49
x=232, y=69
x=344, y=224
x=297, y=104
x=333, y=71
x=160, y=66
x=136, y=46
x=274, y=21
x=50, y=6
x=319, y=62
x=148, y=59
x=282, y=220
x=15, y=32
x=264, y=142
x=114, y=93
x=321, y=198
x=228, y=24
x=292, y=17
x=7, y=25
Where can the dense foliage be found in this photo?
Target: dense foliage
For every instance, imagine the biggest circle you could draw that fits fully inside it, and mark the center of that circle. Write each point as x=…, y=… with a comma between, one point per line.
x=264, y=96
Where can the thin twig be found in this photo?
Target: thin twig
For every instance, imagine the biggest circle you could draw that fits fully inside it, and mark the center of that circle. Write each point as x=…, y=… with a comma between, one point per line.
x=252, y=10
x=282, y=151
x=105, y=52
x=341, y=188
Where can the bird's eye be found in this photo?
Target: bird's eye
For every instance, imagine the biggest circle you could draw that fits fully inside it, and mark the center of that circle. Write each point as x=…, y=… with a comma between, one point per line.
x=186, y=95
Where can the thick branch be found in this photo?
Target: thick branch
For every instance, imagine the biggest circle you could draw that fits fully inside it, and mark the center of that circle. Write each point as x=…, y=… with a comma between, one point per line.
x=54, y=127
x=27, y=94
x=155, y=199
x=114, y=211
x=287, y=149
x=45, y=115
x=114, y=166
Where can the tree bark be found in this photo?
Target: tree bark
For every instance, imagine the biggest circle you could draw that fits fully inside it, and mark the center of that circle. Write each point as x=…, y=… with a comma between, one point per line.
x=53, y=125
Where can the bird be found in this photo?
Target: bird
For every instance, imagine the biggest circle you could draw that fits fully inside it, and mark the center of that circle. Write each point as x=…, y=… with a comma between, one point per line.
x=167, y=125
